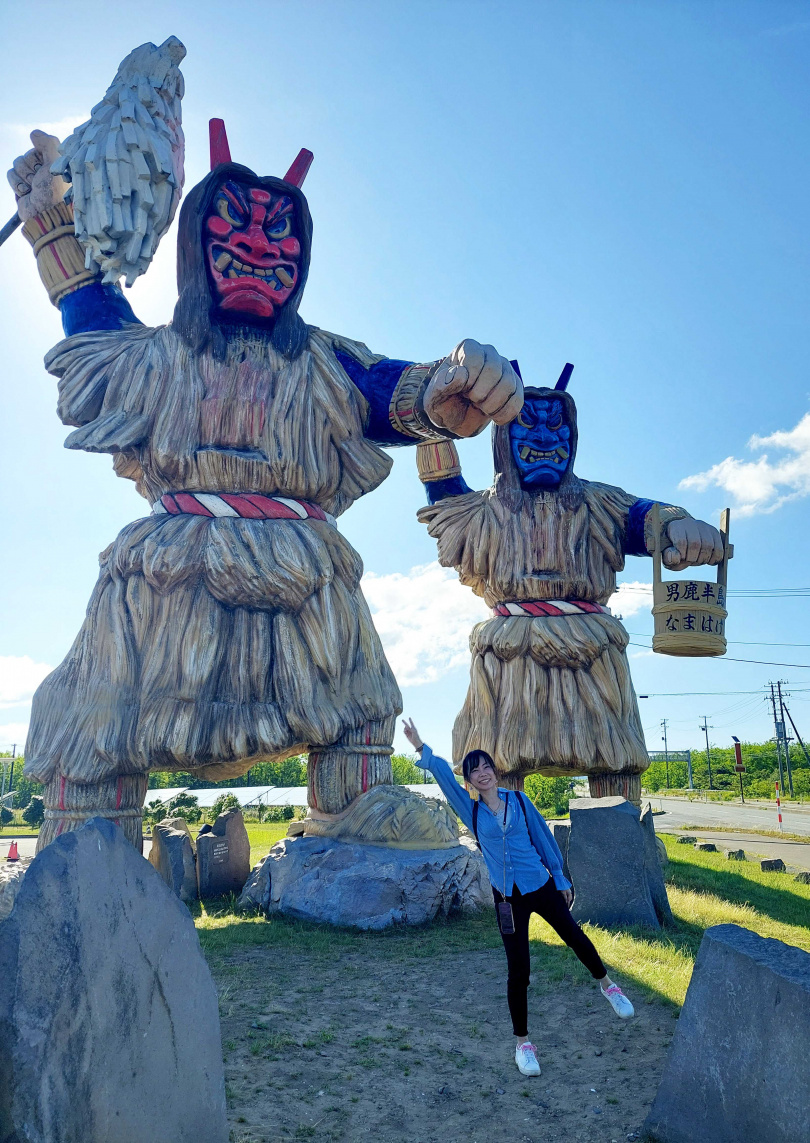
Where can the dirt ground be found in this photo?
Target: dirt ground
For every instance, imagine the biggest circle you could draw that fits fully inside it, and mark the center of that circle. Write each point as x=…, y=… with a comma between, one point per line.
x=357, y=1047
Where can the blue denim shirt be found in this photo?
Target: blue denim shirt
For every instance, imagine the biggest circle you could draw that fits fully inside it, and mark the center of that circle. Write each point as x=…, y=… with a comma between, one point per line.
x=531, y=854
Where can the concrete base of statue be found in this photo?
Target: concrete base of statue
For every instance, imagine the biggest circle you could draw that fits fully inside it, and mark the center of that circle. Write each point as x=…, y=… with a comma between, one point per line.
x=366, y=886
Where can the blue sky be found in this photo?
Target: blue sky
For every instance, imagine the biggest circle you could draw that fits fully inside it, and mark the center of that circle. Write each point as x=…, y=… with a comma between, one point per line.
x=618, y=184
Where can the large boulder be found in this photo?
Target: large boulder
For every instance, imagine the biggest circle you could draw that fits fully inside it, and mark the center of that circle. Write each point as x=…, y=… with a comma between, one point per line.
x=223, y=856
x=366, y=886
x=109, y=1023
x=561, y=832
x=613, y=864
x=737, y=1066
x=173, y=855
x=11, y=878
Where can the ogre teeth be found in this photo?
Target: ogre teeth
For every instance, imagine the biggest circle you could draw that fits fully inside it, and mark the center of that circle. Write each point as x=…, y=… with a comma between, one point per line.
x=284, y=277
x=232, y=273
x=223, y=261
x=524, y=452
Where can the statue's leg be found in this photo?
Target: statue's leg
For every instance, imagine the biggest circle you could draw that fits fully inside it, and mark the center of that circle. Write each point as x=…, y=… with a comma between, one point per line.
x=358, y=761
x=616, y=784
x=69, y=805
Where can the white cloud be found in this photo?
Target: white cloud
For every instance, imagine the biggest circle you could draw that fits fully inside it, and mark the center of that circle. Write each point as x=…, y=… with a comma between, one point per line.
x=19, y=678
x=425, y=616
x=630, y=598
x=424, y=619
x=763, y=485
x=12, y=733
x=61, y=128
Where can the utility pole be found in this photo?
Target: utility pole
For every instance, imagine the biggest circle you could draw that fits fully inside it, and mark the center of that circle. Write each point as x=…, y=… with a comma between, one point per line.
x=705, y=728
x=785, y=742
x=798, y=736
x=778, y=735
x=666, y=751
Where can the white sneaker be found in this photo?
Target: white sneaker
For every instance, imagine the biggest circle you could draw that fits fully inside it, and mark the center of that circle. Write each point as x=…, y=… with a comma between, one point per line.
x=618, y=1002
x=526, y=1060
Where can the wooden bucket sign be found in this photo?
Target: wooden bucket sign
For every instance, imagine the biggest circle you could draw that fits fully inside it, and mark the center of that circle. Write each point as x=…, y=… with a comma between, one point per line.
x=690, y=614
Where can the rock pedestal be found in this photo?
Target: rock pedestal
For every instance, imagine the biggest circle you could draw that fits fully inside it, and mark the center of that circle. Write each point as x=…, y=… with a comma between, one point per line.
x=109, y=1023
x=173, y=855
x=613, y=865
x=737, y=1066
x=366, y=886
x=223, y=856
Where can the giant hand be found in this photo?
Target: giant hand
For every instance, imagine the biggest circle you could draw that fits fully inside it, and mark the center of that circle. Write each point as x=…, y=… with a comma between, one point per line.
x=473, y=386
x=692, y=542
x=31, y=179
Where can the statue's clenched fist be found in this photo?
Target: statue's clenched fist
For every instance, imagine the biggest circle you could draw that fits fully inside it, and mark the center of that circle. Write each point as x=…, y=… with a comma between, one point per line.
x=471, y=387
x=692, y=542
x=31, y=179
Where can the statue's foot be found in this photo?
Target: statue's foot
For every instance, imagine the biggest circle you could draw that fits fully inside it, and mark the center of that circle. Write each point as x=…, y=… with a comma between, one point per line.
x=386, y=815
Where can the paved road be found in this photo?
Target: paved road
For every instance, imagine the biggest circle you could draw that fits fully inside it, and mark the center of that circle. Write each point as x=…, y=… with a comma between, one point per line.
x=679, y=812
x=795, y=854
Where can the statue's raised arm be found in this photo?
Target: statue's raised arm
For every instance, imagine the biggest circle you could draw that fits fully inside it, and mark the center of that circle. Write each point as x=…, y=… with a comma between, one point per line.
x=95, y=207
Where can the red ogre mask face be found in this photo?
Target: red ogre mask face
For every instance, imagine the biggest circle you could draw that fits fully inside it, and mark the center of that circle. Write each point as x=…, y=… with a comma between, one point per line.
x=252, y=250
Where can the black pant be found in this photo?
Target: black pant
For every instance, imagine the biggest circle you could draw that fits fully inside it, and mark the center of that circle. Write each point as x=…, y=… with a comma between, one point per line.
x=548, y=902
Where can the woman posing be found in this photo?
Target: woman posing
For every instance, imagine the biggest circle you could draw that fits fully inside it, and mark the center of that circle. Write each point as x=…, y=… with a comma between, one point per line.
x=525, y=867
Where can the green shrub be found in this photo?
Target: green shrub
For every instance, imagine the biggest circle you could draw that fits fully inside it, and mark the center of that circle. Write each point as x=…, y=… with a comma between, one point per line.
x=223, y=803
x=34, y=812
x=6, y=817
x=550, y=795
x=407, y=772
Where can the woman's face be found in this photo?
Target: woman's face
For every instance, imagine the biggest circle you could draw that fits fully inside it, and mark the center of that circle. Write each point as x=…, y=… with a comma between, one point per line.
x=482, y=778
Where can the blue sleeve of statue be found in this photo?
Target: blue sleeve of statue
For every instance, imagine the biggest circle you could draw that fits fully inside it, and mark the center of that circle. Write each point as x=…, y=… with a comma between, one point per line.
x=437, y=490
x=377, y=385
x=95, y=307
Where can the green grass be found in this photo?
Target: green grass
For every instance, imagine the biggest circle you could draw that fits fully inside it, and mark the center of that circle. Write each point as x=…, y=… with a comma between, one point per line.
x=263, y=836
x=703, y=891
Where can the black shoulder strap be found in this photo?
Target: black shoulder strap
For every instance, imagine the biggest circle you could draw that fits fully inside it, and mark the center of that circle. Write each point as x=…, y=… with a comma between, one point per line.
x=475, y=822
x=523, y=807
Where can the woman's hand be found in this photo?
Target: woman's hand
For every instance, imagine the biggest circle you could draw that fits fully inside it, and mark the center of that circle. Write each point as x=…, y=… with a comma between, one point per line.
x=412, y=734
x=568, y=897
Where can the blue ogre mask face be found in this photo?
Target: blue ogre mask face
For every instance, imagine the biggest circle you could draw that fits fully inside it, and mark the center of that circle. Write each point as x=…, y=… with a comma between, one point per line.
x=540, y=439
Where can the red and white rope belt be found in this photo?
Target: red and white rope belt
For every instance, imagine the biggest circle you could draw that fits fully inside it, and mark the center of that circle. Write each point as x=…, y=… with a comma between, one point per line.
x=536, y=607
x=247, y=505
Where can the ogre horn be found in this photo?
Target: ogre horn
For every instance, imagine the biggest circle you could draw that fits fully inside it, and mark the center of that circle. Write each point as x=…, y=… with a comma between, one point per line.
x=218, y=141
x=565, y=377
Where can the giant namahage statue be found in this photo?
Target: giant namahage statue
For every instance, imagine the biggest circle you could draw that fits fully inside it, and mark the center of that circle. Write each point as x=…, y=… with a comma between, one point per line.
x=227, y=625
x=550, y=688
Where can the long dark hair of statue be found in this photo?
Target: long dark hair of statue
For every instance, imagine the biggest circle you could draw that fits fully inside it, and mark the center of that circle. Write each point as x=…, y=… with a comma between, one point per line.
x=507, y=478
x=195, y=313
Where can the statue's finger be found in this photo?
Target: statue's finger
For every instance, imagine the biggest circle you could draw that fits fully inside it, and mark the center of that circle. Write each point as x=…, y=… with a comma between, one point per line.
x=47, y=145
x=24, y=166
x=471, y=354
x=18, y=185
x=510, y=410
x=673, y=559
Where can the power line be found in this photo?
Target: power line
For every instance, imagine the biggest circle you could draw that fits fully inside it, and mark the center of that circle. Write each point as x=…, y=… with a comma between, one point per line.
x=683, y=694
x=757, y=662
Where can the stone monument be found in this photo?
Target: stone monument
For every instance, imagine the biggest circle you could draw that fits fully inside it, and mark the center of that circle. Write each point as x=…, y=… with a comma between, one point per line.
x=109, y=1020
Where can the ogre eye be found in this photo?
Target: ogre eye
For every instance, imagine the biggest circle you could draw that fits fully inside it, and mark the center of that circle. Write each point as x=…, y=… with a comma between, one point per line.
x=554, y=422
x=226, y=210
x=522, y=419
x=281, y=228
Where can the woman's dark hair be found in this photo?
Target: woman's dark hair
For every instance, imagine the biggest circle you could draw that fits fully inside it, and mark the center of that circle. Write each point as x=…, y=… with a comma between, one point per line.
x=473, y=759
x=195, y=313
